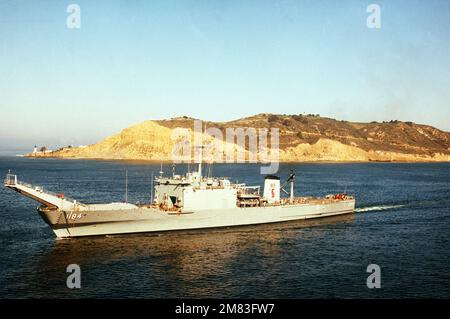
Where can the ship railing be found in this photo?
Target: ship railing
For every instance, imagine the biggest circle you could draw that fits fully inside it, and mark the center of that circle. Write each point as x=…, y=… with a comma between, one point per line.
x=210, y=187
x=26, y=184
x=12, y=180
x=249, y=190
x=59, y=195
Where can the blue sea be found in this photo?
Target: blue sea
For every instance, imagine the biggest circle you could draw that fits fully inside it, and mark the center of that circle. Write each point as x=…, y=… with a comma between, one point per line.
x=402, y=224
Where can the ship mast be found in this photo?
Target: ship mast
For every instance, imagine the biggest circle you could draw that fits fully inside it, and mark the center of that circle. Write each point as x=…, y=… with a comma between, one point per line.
x=200, y=162
x=161, y=170
x=291, y=179
x=200, y=159
x=152, y=190
x=126, y=186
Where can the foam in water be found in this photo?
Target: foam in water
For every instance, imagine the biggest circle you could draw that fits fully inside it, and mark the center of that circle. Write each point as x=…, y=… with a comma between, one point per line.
x=376, y=208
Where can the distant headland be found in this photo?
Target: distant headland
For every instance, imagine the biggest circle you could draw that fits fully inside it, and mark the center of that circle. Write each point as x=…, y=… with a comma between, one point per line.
x=302, y=138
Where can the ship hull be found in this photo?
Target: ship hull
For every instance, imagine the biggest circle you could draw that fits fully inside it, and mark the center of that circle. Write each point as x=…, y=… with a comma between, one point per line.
x=146, y=219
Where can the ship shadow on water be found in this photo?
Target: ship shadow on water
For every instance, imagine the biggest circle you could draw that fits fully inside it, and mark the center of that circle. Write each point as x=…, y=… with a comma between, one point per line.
x=177, y=259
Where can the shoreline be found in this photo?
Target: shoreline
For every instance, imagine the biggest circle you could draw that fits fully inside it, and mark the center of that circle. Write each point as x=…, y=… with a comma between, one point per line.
x=153, y=161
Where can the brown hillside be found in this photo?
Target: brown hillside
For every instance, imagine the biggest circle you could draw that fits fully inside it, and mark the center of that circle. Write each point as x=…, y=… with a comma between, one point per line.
x=302, y=138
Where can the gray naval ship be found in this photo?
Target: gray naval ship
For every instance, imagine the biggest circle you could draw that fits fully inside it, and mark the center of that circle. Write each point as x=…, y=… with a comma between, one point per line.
x=183, y=202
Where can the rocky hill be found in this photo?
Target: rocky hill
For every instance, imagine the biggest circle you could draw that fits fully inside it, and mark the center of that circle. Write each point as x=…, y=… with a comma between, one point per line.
x=302, y=138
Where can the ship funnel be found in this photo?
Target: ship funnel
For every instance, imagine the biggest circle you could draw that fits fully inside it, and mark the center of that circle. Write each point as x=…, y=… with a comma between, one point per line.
x=272, y=188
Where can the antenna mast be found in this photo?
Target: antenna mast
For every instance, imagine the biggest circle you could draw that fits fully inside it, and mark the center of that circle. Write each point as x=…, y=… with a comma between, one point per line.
x=126, y=186
x=161, y=171
x=151, y=191
x=200, y=159
x=200, y=162
x=291, y=179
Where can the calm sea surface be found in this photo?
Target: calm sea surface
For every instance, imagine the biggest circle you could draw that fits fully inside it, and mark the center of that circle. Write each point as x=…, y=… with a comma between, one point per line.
x=402, y=224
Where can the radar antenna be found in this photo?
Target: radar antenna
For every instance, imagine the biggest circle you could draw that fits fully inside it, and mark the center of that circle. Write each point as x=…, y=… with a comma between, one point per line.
x=290, y=180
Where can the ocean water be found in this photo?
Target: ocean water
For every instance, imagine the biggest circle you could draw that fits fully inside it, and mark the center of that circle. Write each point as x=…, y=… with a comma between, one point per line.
x=402, y=224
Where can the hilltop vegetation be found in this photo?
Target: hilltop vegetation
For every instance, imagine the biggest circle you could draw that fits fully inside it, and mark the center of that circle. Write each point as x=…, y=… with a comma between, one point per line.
x=302, y=138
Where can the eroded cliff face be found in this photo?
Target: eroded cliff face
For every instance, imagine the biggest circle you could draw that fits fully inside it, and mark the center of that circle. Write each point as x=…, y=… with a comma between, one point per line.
x=302, y=138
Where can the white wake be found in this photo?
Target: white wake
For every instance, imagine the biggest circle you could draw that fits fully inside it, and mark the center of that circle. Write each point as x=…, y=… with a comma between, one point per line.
x=376, y=208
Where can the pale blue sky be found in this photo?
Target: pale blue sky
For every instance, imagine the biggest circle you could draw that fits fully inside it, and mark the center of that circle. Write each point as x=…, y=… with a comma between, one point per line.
x=216, y=60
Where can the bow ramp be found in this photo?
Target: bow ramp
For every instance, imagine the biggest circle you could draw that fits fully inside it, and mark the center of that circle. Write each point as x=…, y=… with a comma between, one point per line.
x=37, y=193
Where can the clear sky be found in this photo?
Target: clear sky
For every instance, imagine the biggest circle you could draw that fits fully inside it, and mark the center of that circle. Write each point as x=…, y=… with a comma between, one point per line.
x=217, y=60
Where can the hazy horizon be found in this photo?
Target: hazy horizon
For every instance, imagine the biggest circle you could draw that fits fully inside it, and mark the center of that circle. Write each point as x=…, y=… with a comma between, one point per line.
x=217, y=61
